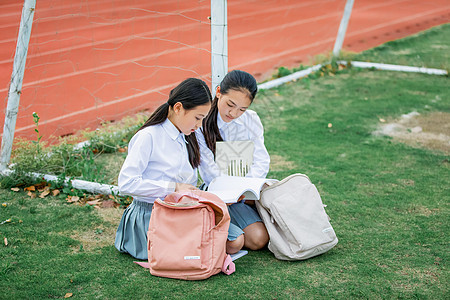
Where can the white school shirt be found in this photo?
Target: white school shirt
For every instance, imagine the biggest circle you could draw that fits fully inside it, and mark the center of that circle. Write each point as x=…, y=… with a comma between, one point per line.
x=247, y=127
x=157, y=159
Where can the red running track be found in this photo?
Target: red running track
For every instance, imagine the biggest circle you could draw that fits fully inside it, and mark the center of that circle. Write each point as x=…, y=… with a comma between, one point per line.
x=94, y=61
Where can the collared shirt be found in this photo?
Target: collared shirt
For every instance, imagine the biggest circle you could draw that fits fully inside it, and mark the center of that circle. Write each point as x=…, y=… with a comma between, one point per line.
x=157, y=159
x=247, y=127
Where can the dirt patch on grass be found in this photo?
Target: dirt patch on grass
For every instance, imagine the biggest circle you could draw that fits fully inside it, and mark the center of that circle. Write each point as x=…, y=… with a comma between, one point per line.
x=111, y=215
x=430, y=131
x=279, y=163
x=422, y=210
x=102, y=235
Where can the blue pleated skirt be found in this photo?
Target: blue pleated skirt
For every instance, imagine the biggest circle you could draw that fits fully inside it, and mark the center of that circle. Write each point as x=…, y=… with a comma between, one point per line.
x=131, y=236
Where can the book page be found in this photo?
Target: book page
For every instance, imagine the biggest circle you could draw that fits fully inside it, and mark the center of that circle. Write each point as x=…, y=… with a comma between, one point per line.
x=230, y=188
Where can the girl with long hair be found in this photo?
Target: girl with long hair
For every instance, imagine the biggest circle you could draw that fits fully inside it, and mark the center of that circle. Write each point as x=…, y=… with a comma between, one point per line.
x=230, y=119
x=163, y=157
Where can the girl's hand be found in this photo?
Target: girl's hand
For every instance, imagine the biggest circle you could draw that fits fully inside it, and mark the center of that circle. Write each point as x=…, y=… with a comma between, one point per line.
x=240, y=199
x=184, y=186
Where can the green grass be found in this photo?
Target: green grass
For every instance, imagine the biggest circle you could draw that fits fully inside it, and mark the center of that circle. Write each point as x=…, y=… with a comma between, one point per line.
x=429, y=49
x=388, y=203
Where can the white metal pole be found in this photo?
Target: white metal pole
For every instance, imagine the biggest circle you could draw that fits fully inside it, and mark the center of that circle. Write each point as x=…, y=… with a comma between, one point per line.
x=91, y=187
x=388, y=67
x=219, y=42
x=282, y=80
x=15, y=87
x=342, y=28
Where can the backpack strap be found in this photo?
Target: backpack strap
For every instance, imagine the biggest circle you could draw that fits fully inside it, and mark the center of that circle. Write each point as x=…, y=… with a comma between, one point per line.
x=143, y=264
x=228, y=266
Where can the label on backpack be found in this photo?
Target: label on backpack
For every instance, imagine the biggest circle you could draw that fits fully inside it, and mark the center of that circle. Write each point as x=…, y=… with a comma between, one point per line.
x=191, y=257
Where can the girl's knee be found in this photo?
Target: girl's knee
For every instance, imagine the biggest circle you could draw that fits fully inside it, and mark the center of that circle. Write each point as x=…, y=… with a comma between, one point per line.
x=256, y=236
x=236, y=245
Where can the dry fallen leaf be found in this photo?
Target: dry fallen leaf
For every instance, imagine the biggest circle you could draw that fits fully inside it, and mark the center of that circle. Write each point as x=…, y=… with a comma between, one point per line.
x=30, y=188
x=108, y=204
x=55, y=192
x=6, y=241
x=15, y=189
x=32, y=195
x=43, y=189
x=382, y=120
x=122, y=150
x=4, y=204
x=94, y=202
x=68, y=295
x=330, y=125
x=72, y=199
x=44, y=194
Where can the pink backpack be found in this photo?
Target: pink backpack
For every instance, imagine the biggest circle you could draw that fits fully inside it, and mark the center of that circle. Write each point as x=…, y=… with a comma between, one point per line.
x=187, y=236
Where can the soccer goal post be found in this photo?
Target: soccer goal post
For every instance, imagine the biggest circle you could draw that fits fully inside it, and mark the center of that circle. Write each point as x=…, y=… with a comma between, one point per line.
x=15, y=87
x=219, y=42
x=342, y=28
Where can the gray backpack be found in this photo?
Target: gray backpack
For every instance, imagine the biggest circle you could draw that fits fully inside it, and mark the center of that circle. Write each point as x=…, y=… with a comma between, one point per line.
x=295, y=218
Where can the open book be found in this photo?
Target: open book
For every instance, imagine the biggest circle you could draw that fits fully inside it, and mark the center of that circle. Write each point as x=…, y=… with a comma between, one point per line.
x=230, y=188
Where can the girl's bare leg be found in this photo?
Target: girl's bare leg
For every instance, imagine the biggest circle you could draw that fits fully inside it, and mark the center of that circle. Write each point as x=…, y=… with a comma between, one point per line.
x=256, y=236
x=236, y=245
